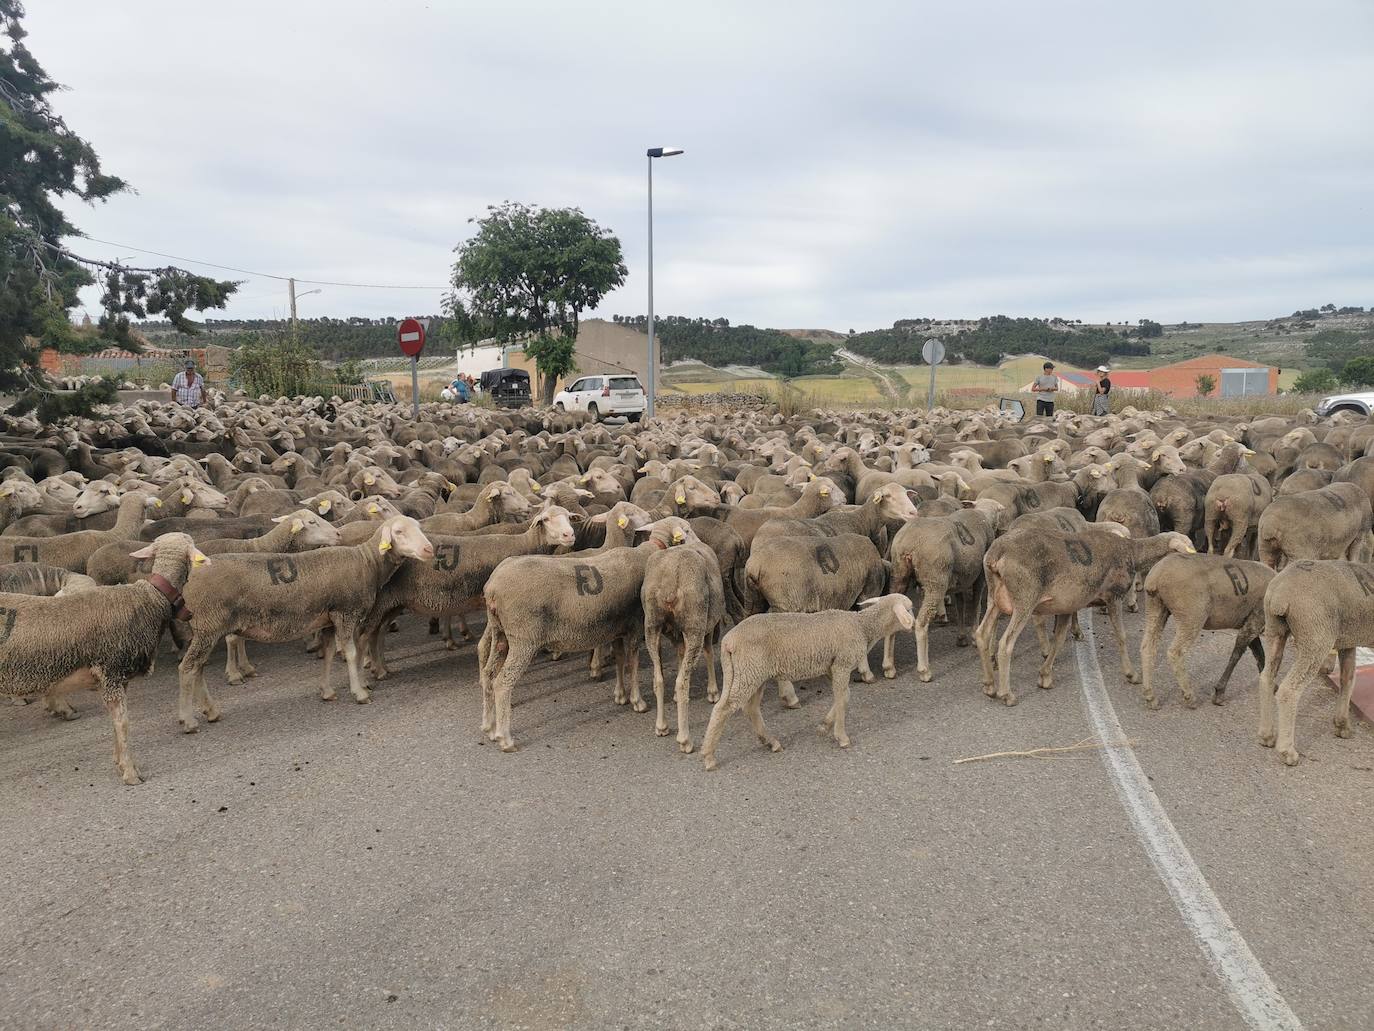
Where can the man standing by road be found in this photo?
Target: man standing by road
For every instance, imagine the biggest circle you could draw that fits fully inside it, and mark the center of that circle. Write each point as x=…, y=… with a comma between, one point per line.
x=1047, y=386
x=187, y=387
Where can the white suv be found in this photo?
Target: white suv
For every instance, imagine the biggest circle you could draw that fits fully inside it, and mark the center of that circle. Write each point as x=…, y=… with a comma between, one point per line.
x=603, y=397
x=1361, y=403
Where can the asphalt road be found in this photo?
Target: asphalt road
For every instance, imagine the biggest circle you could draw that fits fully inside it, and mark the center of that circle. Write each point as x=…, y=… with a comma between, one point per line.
x=308, y=864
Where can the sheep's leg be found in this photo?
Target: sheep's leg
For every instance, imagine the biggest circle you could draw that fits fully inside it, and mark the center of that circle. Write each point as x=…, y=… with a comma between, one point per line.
x=889, y=659
x=1184, y=640
x=921, y=632
x=1304, y=668
x=1246, y=637
x=1005, y=648
x=464, y=630
x=631, y=646
x=1042, y=635
x=1156, y=618
x=116, y=705
x=594, y=667
x=1076, y=628
x=720, y=712
x=326, y=639
x=1127, y=667
x=787, y=694
x=433, y=625
x=490, y=658
x=688, y=654
x=965, y=604
x=190, y=669
x=346, y=634
x=376, y=650
x=58, y=705
x=982, y=636
x=753, y=708
x=1347, y=685
x=232, y=672
x=1275, y=638
x=653, y=641
x=517, y=661
x=712, y=688
x=834, y=719
x=1061, y=630
x=203, y=701
x=1131, y=593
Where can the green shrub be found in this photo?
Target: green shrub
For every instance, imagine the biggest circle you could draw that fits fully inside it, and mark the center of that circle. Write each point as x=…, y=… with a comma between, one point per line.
x=280, y=366
x=1315, y=381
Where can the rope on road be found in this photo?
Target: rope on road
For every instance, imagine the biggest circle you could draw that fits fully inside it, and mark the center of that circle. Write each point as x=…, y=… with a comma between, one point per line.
x=1086, y=745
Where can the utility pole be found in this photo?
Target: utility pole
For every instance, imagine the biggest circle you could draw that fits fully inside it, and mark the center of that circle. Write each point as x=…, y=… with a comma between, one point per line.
x=291, y=285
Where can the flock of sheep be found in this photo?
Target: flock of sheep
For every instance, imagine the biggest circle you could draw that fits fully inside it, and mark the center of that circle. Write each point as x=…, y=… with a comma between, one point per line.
x=787, y=548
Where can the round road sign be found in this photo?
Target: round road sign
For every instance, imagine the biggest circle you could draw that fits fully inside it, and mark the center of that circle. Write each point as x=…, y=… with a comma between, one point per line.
x=933, y=352
x=411, y=336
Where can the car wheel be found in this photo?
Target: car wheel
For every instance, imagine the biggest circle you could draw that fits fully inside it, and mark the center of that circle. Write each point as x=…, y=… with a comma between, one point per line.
x=592, y=411
x=1348, y=408
x=634, y=416
x=560, y=407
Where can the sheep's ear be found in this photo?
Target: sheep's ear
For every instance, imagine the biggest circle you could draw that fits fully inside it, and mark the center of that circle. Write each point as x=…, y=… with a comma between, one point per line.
x=147, y=552
x=384, y=545
x=296, y=526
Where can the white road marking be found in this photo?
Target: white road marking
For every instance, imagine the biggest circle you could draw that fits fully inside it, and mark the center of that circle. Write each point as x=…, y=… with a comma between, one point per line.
x=1254, y=994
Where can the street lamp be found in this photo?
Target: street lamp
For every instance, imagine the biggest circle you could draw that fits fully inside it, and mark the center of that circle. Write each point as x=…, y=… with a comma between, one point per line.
x=654, y=152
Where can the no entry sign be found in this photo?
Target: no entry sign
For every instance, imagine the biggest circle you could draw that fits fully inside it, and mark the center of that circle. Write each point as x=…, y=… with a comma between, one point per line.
x=411, y=336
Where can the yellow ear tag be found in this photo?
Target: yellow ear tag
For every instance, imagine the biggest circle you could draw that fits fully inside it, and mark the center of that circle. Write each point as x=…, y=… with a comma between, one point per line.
x=450, y=485
x=1192, y=550
x=825, y=492
x=535, y=487
x=325, y=506
x=810, y=477
x=296, y=527
x=197, y=559
x=186, y=497
x=1049, y=458
x=622, y=522
x=681, y=499
x=877, y=496
x=1096, y=473
x=6, y=491
x=384, y=546
x=585, y=479
x=1154, y=457
x=157, y=502
x=373, y=510
x=677, y=537
x=369, y=480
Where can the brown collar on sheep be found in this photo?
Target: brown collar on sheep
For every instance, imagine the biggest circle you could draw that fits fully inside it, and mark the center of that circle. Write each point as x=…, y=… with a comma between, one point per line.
x=165, y=588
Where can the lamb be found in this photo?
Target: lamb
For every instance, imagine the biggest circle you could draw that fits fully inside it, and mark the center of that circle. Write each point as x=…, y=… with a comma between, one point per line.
x=684, y=596
x=109, y=635
x=1333, y=522
x=562, y=603
x=1041, y=572
x=1235, y=502
x=452, y=584
x=944, y=556
x=1323, y=606
x=1202, y=592
x=789, y=647
x=288, y=597
x=810, y=574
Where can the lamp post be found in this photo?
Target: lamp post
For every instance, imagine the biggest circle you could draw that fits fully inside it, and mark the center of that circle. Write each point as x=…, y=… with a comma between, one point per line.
x=654, y=152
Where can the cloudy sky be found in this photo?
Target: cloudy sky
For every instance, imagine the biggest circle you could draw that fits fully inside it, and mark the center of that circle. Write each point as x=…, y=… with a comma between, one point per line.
x=847, y=164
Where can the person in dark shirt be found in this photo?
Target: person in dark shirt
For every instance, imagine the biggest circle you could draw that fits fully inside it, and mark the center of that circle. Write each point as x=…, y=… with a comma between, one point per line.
x=1102, y=396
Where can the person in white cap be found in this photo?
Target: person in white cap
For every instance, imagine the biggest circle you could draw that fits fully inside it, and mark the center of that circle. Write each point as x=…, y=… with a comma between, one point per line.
x=1102, y=403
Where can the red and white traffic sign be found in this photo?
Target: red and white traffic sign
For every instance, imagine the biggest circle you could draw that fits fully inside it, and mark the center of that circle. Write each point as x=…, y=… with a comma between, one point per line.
x=410, y=334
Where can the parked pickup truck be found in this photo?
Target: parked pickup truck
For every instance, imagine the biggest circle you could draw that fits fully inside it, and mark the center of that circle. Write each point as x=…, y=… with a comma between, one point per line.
x=1361, y=403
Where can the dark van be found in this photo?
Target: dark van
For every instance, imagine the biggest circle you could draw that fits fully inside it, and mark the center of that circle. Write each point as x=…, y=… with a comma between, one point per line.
x=509, y=388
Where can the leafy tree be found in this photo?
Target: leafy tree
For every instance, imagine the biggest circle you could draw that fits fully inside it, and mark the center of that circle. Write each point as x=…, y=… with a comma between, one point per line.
x=528, y=274
x=1149, y=329
x=42, y=161
x=1359, y=372
x=349, y=372
x=1315, y=381
x=717, y=343
x=1205, y=384
x=996, y=337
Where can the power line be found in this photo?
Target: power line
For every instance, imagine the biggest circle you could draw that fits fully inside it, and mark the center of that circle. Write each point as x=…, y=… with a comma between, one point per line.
x=261, y=275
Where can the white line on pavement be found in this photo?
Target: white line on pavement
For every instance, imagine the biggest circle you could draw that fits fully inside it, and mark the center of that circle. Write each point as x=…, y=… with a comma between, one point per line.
x=1254, y=994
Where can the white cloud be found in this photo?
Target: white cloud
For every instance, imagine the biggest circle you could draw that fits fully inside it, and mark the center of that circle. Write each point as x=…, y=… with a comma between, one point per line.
x=847, y=165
